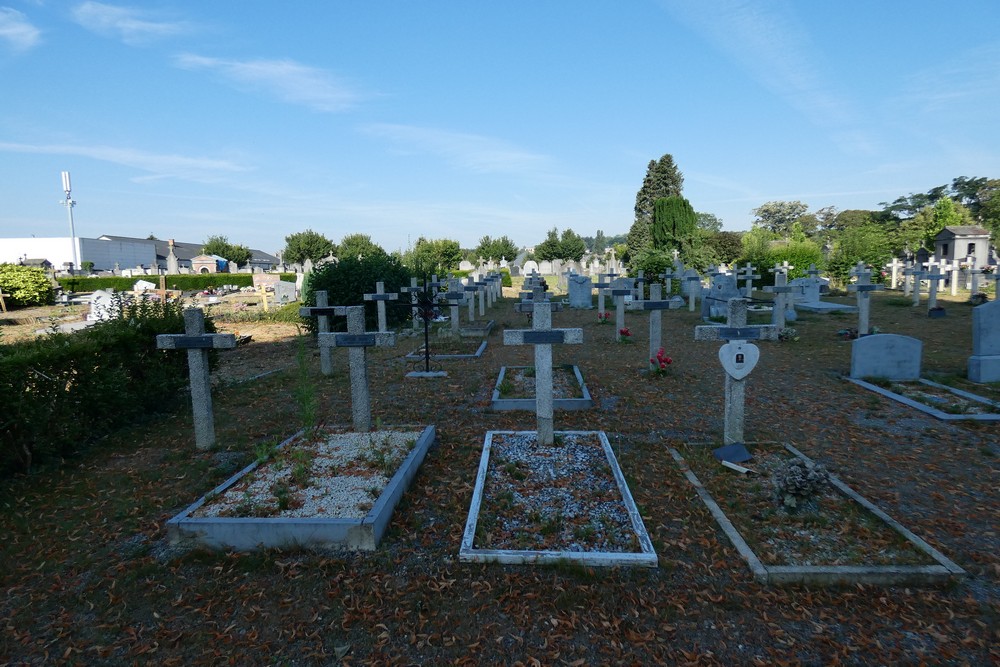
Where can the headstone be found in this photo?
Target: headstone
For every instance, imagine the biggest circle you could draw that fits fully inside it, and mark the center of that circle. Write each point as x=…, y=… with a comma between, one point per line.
x=748, y=274
x=863, y=288
x=667, y=277
x=715, y=302
x=781, y=291
x=601, y=285
x=887, y=356
x=692, y=287
x=655, y=305
x=738, y=357
x=543, y=337
x=984, y=364
x=895, y=266
x=934, y=280
x=619, y=295
x=466, y=265
x=581, y=289
x=198, y=343
x=357, y=341
x=103, y=306
x=380, y=297
x=322, y=311
x=284, y=292
x=454, y=298
x=530, y=267
x=413, y=290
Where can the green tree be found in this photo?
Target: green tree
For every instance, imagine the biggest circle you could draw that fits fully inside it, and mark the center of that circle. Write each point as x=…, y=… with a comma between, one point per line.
x=495, y=249
x=870, y=243
x=436, y=256
x=600, y=242
x=989, y=209
x=663, y=179
x=674, y=223
x=220, y=246
x=360, y=246
x=347, y=280
x=26, y=285
x=709, y=222
x=549, y=249
x=778, y=216
x=727, y=246
x=307, y=245
x=571, y=246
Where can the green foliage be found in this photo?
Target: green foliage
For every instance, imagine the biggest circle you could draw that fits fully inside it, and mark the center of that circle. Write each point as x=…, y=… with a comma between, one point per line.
x=653, y=262
x=63, y=392
x=757, y=248
x=348, y=280
x=220, y=245
x=727, y=246
x=26, y=285
x=188, y=282
x=568, y=247
x=505, y=279
x=869, y=243
x=358, y=246
x=307, y=245
x=436, y=256
x=638, y=239
x=674, y=223
x=496, y=249
x=799, y=254
x=989, y=209
x=709, y=222
x=663, y=179
x=778, y=216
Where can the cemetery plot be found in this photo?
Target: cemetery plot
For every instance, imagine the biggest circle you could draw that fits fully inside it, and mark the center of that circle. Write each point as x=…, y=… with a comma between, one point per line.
x=477, y=329
x=794, y=523
x=444, y=349
x=515, y=389
x=536, y=503
x=330, y=488
x=938, y=400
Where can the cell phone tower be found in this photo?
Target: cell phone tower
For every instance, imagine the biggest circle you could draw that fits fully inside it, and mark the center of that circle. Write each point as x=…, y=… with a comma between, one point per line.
x=69, y=204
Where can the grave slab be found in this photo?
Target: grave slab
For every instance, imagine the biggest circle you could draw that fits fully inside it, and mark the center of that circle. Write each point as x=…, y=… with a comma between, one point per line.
x=558, y=403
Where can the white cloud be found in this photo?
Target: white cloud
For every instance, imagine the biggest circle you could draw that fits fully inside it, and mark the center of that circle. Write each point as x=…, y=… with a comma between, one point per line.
x=132, y=26
x=17, y=31
x=157, y=165
x=469, y=151
x=286, y=80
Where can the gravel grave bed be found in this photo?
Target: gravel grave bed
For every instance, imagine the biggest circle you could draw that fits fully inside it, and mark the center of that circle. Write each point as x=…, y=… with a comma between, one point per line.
x=561, y=497
x=519, y=382
x=331, y=474
x=830, y=529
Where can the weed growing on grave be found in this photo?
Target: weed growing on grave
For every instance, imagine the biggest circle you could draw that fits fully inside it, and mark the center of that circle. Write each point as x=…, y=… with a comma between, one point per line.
x=506, y=387
x=262, y=451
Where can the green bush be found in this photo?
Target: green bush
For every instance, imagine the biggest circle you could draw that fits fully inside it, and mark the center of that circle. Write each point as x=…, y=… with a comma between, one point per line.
x=187, y=282
x=348, y=280
x=26, y=285
x=505, y=280
x=63, y=392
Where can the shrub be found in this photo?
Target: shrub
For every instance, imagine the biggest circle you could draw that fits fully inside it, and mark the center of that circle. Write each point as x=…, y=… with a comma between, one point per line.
x=187, y=282
x=26, y=285
x=505, y=280
x=348, y=280
x=63, y=392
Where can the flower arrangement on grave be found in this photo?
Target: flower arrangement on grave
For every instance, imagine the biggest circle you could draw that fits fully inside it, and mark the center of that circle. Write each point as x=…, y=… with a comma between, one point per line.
x=788, y=334
x=660, y=364
x=604, y=318
x=624, y=335
x=797, y=482
x=978, y=299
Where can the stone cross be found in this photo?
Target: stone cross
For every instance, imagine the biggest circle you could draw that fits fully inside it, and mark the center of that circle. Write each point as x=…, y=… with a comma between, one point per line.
x=380, y=297
x=640, y=286
x=781, y=289
x=954, y=268
x=481, y=291
x=911, y=282
x=655, y=305
x=619, y=297
x=747, y=274
x=543, y=337
x=198, y=343
x=454, y=300
x=974, y=286
x=738, y=358
x=693, y=281
x=894, y=267
x=470, y=291
x=917, y=275
x=357, y=341
x=667, y=277
x=601, y=286
x=934, y=279
x=322, y=312
x=863, y=288
x=412, y=290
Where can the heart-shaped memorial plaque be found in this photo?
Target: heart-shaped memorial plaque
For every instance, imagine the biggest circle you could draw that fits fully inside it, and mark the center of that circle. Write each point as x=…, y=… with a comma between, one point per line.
x=739, y=358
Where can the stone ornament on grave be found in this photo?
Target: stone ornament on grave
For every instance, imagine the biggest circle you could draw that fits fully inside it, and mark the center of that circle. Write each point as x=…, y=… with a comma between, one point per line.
x=739, y=358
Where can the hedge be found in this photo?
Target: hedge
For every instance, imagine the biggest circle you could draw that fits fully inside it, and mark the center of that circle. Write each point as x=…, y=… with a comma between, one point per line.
x=187, y=282
x=63, y=392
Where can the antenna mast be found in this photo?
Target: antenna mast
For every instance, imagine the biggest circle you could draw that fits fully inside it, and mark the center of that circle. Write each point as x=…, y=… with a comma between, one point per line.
x=69, y=204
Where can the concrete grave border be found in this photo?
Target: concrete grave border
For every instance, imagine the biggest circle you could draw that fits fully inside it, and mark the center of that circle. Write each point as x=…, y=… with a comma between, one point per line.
x=250, y=533
x=413, y=356
x=929, y=409
x=584, y=403
x=830, y=575
x=471, y=331
x=646, y=557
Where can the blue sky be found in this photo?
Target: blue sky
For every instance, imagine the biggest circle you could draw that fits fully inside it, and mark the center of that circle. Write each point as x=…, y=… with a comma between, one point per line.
x=446, y=119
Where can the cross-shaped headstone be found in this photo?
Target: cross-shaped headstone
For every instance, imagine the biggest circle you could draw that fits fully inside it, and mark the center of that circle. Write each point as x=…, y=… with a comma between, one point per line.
x=198, y=343
x=412, y=290
x=601, y=286
x=934, y=281
x=738, y=358
x=619, y=297
x=667, y=278
x=481, y=292
x=863, y=288
x=655, y=305
x=322, y=312
x=894, y=267
x=454, y=299
x=974, y=286
x=917, y=276
x=470, y=291
x=954, y=268
x=380, y=297
x=748, y=276
x=693, y=284
x=911, y=275
x=640, y=285
x=543, y=337
x=357, y=341
x=781, y=289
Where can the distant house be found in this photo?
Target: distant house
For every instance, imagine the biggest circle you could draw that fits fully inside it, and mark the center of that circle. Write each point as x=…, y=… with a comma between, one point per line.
x=209, y=264
x=964, y=243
